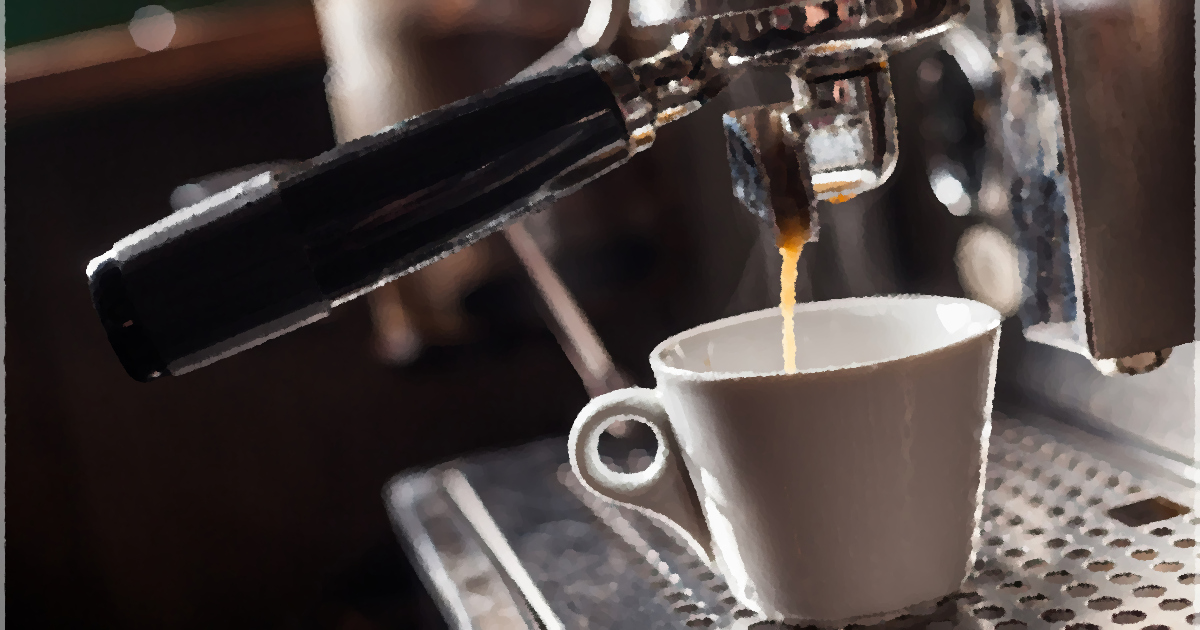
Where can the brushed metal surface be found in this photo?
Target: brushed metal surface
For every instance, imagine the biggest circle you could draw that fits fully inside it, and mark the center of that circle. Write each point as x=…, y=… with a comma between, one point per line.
x=1127, y=84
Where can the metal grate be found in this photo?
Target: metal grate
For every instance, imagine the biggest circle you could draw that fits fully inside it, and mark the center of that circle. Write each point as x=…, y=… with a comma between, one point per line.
x=1048, y=556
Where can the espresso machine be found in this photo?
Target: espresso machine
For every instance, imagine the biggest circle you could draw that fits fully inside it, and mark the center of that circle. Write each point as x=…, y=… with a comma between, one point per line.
x=1107, y=240
x=1072, y=151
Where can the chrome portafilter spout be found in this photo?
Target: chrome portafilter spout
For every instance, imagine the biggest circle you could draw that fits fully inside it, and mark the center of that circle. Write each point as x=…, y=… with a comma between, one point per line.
x=836, y=139
x=768, y=178
x=846, y=116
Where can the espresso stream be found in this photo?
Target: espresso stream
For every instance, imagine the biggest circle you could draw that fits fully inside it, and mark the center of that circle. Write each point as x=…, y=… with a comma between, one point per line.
x=791, y=241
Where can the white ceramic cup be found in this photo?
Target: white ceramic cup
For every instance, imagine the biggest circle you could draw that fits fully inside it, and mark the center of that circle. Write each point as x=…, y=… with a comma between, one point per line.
x=848, y=490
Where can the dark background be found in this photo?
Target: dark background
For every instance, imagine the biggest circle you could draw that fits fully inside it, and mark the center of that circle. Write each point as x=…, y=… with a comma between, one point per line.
x=248, y=494
x=28, y=21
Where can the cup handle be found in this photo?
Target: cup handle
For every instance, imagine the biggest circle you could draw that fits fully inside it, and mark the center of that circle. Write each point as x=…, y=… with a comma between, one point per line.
x=663, y=490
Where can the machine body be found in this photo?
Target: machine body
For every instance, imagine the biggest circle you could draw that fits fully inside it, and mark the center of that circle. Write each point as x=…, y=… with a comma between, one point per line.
x=1089, y=162
x=1096, y=120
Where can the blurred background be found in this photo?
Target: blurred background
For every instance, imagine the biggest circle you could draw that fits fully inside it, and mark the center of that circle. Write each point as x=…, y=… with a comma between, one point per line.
x=247, y=494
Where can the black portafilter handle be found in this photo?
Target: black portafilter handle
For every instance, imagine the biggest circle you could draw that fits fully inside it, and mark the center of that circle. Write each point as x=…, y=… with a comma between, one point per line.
x=279, y=250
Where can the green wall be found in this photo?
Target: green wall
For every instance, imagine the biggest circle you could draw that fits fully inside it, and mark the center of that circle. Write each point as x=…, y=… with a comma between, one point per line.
x=35, y=20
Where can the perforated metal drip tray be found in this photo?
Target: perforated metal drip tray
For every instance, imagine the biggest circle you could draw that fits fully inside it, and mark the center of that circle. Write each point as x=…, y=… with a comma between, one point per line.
x=511, y=540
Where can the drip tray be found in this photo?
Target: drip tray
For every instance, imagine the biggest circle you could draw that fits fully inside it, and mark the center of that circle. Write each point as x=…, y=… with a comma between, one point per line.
x=512, y=540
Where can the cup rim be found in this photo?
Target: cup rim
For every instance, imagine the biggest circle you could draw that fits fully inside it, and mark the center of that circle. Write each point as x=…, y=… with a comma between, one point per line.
x=992, y=322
